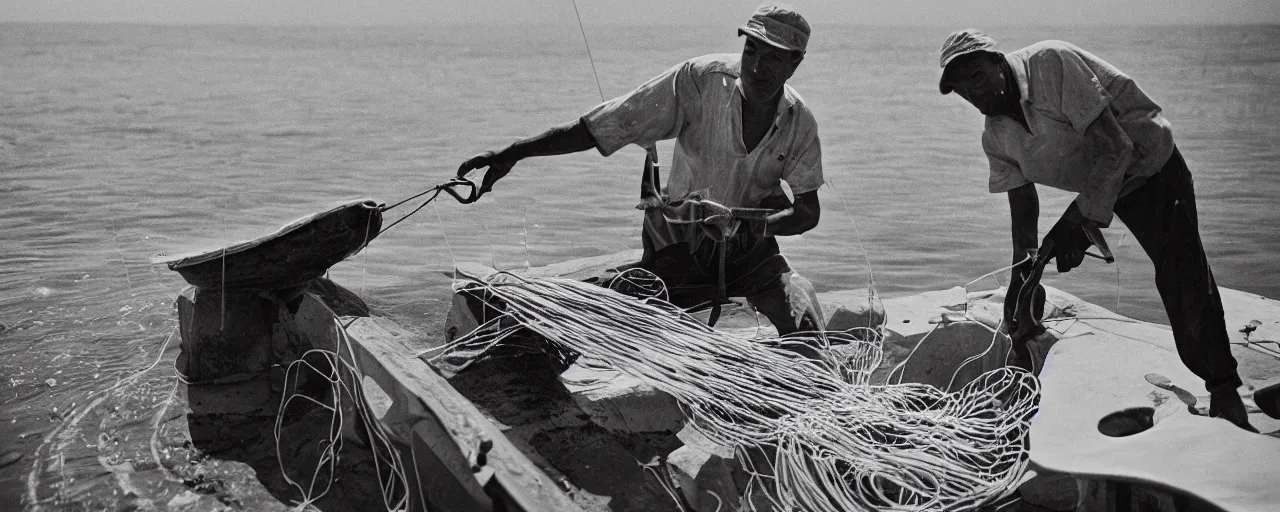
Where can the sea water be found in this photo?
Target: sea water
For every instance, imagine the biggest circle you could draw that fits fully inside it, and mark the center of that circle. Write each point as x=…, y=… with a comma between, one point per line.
x=121, y=142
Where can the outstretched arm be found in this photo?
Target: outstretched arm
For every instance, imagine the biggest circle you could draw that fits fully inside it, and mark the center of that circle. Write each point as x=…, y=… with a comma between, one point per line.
x=568, y=138
x=560, y=140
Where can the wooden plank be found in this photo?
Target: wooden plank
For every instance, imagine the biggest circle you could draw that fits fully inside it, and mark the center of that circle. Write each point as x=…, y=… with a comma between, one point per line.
x=384, y=353
x=444, y=480
x=433, y=454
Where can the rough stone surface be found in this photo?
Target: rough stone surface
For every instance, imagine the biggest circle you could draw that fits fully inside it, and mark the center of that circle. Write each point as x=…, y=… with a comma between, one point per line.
x=620, y=402
x=855, y=315
x=709, y=476
x=1052, y=491
x=224, y=341
x=937, y=357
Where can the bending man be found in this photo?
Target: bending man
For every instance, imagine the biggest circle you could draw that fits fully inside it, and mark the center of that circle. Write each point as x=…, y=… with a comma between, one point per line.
x=740, y=132
x=1059, y=116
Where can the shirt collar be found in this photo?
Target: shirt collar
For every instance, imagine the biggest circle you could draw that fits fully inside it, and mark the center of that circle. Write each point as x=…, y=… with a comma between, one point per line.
x=785, y=104
x=1018, y=63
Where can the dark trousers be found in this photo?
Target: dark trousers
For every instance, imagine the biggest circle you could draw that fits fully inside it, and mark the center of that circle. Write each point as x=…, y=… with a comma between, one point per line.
x=754, y=268
x=1161, y=213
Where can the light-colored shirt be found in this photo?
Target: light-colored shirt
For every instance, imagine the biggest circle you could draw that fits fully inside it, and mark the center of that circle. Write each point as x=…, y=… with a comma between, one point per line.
x=1074, y=102
x=699, y=103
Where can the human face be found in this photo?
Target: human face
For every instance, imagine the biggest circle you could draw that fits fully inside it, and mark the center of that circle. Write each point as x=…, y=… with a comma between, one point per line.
x=978, y=79
x=765, y=68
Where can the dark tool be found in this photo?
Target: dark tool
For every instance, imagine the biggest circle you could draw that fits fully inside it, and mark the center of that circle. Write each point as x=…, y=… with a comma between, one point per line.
x=1096, y=238
x=1029, y=308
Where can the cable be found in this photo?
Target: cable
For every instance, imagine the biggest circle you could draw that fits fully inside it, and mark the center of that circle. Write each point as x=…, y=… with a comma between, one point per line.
x=588, y=45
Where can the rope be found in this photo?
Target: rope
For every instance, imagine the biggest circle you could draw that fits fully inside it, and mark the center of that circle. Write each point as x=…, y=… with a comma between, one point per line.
x=839, y=442
x=446, y=187
x=588, y=45
x=345, y=380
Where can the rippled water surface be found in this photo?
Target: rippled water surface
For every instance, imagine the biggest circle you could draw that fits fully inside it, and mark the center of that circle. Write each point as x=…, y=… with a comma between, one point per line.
x=119, y=142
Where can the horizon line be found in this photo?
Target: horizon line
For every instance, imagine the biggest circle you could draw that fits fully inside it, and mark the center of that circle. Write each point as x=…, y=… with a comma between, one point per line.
x=605, y=24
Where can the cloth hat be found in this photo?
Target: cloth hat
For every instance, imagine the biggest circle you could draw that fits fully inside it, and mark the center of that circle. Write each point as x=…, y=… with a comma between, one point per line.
x=959, y=43
x=783, y=28
x=964, y=41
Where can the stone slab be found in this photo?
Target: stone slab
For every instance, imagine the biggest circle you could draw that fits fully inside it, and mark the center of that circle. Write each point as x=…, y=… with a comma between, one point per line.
x=620, y=402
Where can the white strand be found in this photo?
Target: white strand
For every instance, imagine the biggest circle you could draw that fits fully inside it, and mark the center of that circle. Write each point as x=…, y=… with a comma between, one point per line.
x=840, y=442
x=345, y=379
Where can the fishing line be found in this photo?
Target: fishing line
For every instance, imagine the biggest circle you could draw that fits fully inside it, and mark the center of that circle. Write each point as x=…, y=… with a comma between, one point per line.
x=857, y=234
x=446, y=187
x=115, y=238
x=871, y=277
x=524, y=236
x=493, y=262
x=1118, y=245
x=445, y=235
x=364, y=270
x=588, y=45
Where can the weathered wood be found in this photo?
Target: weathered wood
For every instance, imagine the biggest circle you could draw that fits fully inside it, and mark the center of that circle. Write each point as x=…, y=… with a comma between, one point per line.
x=433, y=454
x=448, y=419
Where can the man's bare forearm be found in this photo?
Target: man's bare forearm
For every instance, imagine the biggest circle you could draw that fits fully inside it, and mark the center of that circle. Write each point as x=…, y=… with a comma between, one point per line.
x=564, y=139
x=805, y=214
x=1024, y=212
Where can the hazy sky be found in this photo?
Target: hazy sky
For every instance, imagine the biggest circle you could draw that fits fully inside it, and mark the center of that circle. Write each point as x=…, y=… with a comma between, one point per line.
x=699, y=12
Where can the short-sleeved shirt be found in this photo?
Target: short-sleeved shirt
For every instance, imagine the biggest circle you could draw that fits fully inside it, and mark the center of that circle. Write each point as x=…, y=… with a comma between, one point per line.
x=1064, y=91
x=699, y=104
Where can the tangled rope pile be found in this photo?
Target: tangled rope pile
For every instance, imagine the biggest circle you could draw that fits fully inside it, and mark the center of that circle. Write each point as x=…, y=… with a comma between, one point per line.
x=830, y=439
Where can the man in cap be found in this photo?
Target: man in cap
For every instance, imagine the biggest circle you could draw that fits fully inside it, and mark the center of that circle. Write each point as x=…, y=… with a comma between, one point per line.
x=1059, y=116
x=740, y=132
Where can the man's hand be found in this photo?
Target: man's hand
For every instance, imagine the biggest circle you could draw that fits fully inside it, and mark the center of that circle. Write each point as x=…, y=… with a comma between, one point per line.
x=1017, y=281
x=497, y=164
x=651, y=201
x=1067, y=241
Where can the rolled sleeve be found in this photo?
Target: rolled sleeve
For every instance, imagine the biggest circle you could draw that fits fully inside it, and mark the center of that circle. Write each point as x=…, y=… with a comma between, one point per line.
x=648, y=114
x=804, y=172
x=1005, y=173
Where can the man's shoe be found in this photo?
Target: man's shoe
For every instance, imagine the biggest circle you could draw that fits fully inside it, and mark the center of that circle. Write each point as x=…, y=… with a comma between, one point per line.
x=1228, y=406
x=1268, y=399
